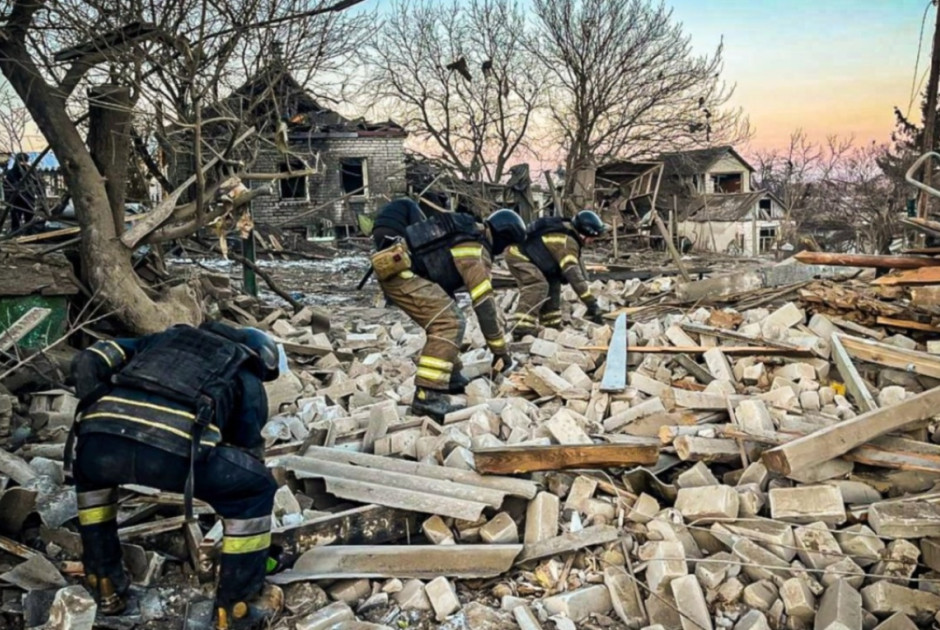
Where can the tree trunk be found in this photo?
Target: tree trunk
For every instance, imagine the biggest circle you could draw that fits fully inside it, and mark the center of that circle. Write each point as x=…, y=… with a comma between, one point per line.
x=109, y=142
x=106, y=262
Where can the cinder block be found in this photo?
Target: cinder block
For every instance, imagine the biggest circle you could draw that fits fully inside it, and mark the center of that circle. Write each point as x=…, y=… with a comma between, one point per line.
x=808, y=504
x=840, y=608
x=500, y=530
x=708, y=504
x=437, y=531
x=908, y=519
x=695, y=611
x=541, y=520
x=577, y=605
x=816, y=546
x=443, y=598
x=861, y=543
x=798, y=600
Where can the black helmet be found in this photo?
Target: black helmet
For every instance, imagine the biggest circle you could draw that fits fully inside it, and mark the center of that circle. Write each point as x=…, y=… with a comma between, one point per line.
x=587, y=223
x=507, y=228
x=262, y=345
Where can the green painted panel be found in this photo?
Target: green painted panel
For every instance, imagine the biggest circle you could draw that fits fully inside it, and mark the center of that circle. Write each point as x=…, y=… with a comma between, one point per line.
x=54, y=326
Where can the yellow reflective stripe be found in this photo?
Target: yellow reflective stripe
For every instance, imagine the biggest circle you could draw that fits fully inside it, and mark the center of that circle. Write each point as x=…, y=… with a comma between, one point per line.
x=555, y=239
x=118, y=348
x=484, y=287
x=433, y=375
x=586, y=294
x=246, y=544
x=496, y=343
x=406, y=274
x=467, y=251
x=568, y=260
x=102, y=514
x=101, y=354
x=434, y=362
x=146, y=405
x=108, y=415
x=515, y=251
x=524, y=316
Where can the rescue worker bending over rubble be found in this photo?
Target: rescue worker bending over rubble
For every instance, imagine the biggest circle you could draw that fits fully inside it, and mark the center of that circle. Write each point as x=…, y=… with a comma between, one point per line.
x=181, y=411
x=420, y=264
x=550, y=257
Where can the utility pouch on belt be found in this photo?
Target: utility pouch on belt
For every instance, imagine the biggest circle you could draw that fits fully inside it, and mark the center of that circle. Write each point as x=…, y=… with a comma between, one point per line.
x=391, y=261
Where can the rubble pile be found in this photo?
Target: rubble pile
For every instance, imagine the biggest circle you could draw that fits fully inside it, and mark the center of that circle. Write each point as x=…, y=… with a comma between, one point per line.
x=764, y=467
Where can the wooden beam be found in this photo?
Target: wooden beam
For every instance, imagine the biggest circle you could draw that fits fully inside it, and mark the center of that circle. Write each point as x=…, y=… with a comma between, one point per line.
x=735, y=350
x=615, y=370
x=858, y=328
x=925, y=275
x=864, y=260
x=722, y=333
x=853, y=380
x=423, y=562
x=898, y=453
x=903, y=323
x=23, y=326
x=572, y=541
x=838, y=439
x=366, y=525
x=892, y=356
x=521, y=459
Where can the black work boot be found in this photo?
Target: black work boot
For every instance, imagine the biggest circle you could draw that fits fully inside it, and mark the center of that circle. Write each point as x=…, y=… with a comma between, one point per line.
x=458, y=383
x=428, y=402
x=252, y=614
x=109, y=592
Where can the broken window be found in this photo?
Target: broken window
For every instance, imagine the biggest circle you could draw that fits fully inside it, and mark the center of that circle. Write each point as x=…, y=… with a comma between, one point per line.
x=354, y=176
x=293, y=187
x=768, y=235
x=727, y=182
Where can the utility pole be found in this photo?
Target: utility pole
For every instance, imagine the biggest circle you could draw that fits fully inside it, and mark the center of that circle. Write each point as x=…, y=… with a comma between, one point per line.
x=930, y=120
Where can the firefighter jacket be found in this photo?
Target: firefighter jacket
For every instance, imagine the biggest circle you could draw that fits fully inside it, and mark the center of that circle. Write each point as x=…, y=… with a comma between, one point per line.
x=392, y=222
x=116, y=398
x=555, y=248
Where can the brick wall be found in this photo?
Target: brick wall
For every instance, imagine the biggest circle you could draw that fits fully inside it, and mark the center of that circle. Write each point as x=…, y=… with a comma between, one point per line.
x=385, y=163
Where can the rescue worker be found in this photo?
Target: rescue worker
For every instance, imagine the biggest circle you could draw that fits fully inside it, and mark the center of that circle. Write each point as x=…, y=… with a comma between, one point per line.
x=550, y=257
x=420, y=264
x=181, y=411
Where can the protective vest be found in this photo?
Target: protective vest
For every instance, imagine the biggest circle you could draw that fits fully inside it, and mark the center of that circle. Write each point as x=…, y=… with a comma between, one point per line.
x=534, y=247
x=394, y=220
x=430, y=242
x=194, y=370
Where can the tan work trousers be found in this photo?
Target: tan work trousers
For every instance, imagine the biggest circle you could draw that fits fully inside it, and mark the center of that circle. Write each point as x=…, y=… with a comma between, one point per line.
x=430, y=307
x=539, y=298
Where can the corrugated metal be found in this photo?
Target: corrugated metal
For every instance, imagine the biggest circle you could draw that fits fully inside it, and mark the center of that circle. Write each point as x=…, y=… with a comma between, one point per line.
x=49, y=161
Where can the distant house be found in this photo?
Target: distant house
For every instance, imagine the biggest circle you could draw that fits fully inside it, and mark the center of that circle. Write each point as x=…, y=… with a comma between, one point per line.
x=343, y=167
x=711, y=194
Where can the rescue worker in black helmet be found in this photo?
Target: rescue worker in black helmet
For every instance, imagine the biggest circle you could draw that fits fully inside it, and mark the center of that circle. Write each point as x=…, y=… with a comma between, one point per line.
x=181, y=411
x=550, y=257
x=420, y=265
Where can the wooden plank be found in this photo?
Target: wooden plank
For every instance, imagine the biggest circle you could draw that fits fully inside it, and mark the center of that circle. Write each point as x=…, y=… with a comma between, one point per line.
x=925, y=275
x=865, y=260
x=515, y=487
x=23, y=326
x=366, y=525
x=520, y=459
x=853, y=380
x=697, y=371
x=423, y=562
x=307, y=467
x=733, y=335
x=701, y=400
x=897, y=453
x=903, y=323
x=838, y=439
x=858, y=328
x=151, y=529
x=44, y=236
x=734, y=350
x=615, y=370
x=404, y=499
x=892, y=356
x=572, y=541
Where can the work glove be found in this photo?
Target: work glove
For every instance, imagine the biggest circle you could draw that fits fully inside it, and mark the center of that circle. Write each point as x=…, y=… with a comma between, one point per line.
x=502, y=362
x=594, y=313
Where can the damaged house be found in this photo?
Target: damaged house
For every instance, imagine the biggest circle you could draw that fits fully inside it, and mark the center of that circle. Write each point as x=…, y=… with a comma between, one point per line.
x=324, y=169
x=710, y=191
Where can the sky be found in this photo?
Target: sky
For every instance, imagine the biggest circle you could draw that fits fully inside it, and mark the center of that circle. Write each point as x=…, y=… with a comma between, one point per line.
x=826, y=66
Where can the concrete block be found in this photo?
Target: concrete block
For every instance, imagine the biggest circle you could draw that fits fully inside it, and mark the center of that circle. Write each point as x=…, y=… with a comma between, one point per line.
x=695, y=611
x=644, y=509
x=326, y=617
x=901, y=341
x=832, y=469
x=697, y=476
x=755, y=473
x=774, y=536
x=350, y=591
x=786, y=398
x=443, y=597
x=886, y=598
x=809, y=401
x=631, y=414
x=787, y=316
x=844, y=569
x=731, y=591
x=461, y=458
x=565, y=430
x=752, y=500
x=897, y=621
x=437, y=531
x=72, y=609
x=663, y=611
x=760, y=595
x=861, y=543
x=543, y=348
x=930, y=548
x=582, y=489
x=668, y=527
x=752, y=620
x=718, y=365
x=808, y=504
x=840, y=608
x=816, y=546
x=891, y=395
x=752, y=416
x=713, y=571
x=412, y=596
x=501, y=530
x=909, y=519
x=798, y=600
x=760, y=564
x=899, y=561
x=579, y=604
x=708, y=504
x=624, y=596
x=525, y=618
x=667, y=562
x=479, y=391
x=796, y=372
x=541, y=521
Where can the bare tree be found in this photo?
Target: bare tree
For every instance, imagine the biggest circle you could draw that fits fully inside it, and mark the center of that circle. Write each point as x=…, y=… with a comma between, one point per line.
x=457, y=75
x=13, y=120
x=625, y=82
x=162, y=62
